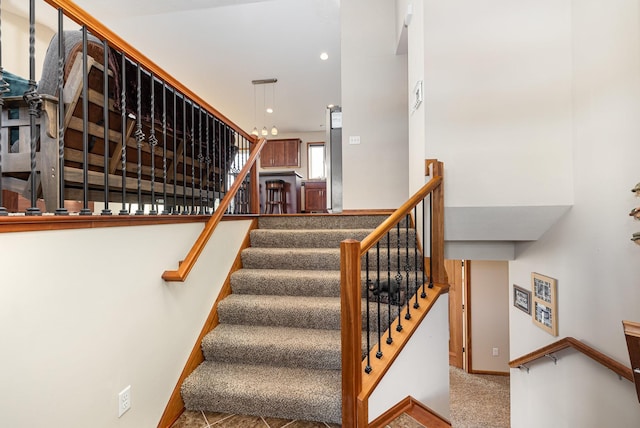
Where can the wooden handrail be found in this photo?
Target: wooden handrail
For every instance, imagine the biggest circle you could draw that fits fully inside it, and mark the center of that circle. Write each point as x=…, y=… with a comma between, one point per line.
x=371, y=239
x=185, y=267
x=81, y=17
x=569, y=342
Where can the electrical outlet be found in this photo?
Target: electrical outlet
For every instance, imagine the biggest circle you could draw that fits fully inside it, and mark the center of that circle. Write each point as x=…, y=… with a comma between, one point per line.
x=124, y=400
x=496, y=352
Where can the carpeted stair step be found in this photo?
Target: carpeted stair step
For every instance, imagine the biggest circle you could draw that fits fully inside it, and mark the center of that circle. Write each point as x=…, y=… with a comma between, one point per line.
x=312, y=283
x=268, y=391
x=286, y=311
x=319, y=258
x=322, y=238
x=322, y=221
x=289, y=347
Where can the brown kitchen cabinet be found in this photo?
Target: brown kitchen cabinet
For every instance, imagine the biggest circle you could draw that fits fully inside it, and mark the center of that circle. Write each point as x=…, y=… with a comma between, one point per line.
x=281, y=153
x=315, y=196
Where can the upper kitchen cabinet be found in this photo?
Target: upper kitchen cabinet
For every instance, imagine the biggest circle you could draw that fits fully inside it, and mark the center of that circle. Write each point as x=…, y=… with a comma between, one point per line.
x=281, y=153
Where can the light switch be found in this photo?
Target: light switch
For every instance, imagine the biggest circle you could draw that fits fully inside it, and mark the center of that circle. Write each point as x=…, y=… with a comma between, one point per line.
x=354, y=139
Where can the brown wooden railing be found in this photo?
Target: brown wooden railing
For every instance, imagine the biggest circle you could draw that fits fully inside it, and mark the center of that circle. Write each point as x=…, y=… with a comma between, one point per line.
x=569, y=342
x=185, y=266
x=358, y=383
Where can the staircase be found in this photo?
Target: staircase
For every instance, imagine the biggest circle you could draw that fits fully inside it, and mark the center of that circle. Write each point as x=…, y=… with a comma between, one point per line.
x=276, y=351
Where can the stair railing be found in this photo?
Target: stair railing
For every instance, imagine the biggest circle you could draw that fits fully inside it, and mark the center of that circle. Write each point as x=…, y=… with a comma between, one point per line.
x=359, y=378
x=108, y=125
x=548, y=351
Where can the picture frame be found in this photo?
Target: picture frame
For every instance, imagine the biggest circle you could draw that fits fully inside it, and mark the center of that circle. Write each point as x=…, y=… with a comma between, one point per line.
x=522, y=299
x=544, y=303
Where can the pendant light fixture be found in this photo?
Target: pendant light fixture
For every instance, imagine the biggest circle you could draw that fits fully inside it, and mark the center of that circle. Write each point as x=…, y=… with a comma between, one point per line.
x=264, y=132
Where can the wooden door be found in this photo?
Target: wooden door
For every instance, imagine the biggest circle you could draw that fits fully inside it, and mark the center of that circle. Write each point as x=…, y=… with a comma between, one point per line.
x=454, y=270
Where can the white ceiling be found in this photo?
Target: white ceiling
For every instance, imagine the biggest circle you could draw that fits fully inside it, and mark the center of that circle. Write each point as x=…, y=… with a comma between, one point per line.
x=217, y=47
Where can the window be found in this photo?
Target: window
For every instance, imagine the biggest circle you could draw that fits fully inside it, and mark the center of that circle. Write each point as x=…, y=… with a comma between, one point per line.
x=315, y=161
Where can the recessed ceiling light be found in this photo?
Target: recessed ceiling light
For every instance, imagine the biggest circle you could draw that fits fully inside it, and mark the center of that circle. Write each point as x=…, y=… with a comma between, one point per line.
x=269, y=110
x=330, y=106
x=324, y=56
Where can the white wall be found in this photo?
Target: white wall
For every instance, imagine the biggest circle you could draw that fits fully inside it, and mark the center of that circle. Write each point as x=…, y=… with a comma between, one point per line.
x=374, y=107
x=489, y=303
x=498, y=99
x=84, y=313
x=421, y=370
x=589, y=251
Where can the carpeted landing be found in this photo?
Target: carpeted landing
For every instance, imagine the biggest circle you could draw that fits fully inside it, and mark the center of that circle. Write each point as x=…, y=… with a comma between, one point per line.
x=276, y=351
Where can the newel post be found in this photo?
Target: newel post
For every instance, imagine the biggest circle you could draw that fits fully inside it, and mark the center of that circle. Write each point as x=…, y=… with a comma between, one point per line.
x=439, y=274
x=254, y=186
x=351, y=328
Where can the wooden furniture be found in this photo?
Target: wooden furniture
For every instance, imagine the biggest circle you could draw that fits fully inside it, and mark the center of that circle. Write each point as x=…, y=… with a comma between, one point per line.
x=315, y=196
x=281, y=153
x=292, y=186
x=276, y=197
x=632, y=334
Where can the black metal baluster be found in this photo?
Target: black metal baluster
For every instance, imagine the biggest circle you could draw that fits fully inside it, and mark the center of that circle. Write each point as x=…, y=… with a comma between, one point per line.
x=4, y=88
x=34, y=101
x=165, y=203
x=407, y=267
x=123, y=136
x=193, y=160
x=208, y=162
x=61, y=210
x=423, y=294
x=153, y=142
x=389, y=339
x=85, y=126
x=105, y=119
x=200, y=160
x=379, y=312
x=139, y=139
x=367, y=368
x=398, y=277
x=174, y=209
x=220, y=142
x=431, y=240
x=184, y=155
x=416, y=305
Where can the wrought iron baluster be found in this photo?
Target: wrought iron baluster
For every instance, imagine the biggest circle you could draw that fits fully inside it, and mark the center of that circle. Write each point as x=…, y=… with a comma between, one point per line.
x=61, y=210
x=193, y=160
x=379, y=311
x=416, y=305
x=367, y=368
x=208, y=162
x=389, y=339
x=123, y=135
x=174, y=208
x=431, y=240
x=407, y=267
x=139, y=139
x=153, y=142
x=34, y=101
x=85, y=125
x=105, y=119
x=423, y=294
x=200, y=159
x=398, y=277
x=165, y=203
x=4, y=88
x=184, y=155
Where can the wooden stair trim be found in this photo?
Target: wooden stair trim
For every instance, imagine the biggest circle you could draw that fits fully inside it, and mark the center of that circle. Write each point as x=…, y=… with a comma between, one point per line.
x=416, y=410
x=570, y=342
x=380, y=366
x=632, y=336
x=175, y=406
x=189, y=261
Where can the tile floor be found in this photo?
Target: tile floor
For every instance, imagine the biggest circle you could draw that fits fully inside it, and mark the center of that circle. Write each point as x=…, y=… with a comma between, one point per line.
x=191, y=419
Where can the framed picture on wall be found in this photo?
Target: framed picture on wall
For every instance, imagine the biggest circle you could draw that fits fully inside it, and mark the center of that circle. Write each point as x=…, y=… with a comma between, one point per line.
x=522, y=299
x=545, y=308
